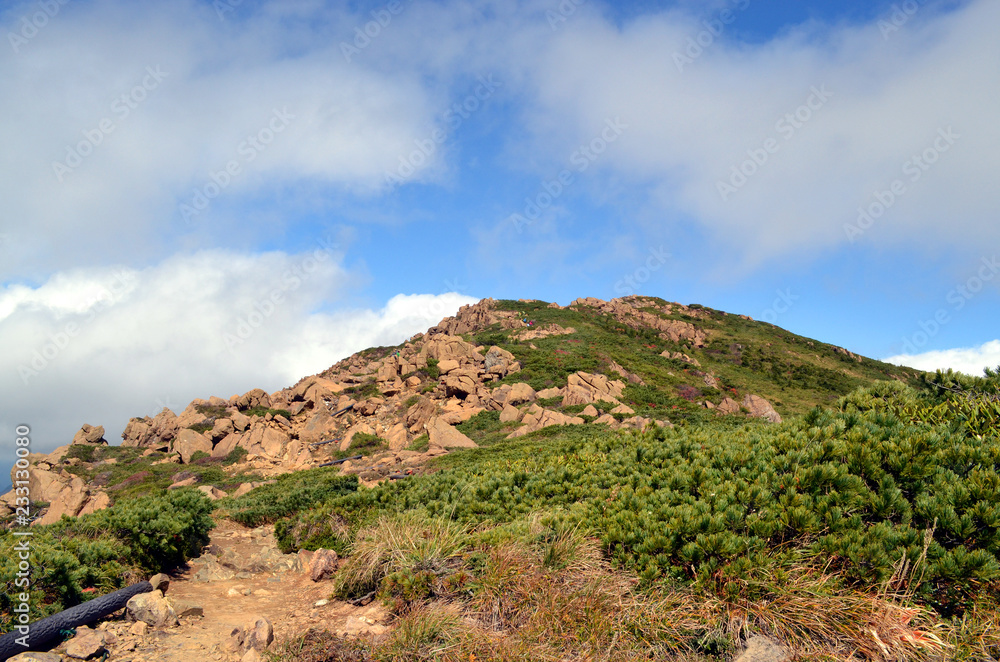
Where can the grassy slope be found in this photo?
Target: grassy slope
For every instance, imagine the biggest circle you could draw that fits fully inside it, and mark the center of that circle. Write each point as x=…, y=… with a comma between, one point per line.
x=794, y=373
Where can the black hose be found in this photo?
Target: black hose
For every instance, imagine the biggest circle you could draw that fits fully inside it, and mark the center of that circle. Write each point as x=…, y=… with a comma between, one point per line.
x=36, y=635
x=340, y=461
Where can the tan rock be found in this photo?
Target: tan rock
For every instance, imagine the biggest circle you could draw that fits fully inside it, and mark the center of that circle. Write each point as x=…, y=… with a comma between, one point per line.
x=222, y=428
x=255, y=634
x=212, y=492
x=86, y=644
x=95, y=502
x=607, y=419
x=160, y=582
x=240, y=421
x=447, y=366
x=397, y=437
x=156, y=432
x=509, y=414
x=225, y=447
x=590, y=410
x=761, y=408
x=89, y=434
x=546, y=393
x=521, y=393
x=764, y=649
x=445, y=436
x=189, y=442
x=419, y=414
x=461, y=383
x=152, y=609
x=729, y=406
x=323, y=564
x=253, y=398
x=623, y=409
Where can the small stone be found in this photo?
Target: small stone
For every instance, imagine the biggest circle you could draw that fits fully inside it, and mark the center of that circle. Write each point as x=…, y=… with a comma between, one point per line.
x=36, y=657
x=321, y=603
x=160, y=582
x=323, y=564
x=86, y=644
x=139, y=628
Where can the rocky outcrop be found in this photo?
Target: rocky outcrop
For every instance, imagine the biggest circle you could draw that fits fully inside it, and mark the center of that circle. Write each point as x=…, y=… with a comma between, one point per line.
x=90, y=434
x=634, y=311
x=156, y=432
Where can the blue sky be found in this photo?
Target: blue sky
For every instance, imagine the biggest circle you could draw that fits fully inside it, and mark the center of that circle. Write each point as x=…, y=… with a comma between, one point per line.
x=201, y=198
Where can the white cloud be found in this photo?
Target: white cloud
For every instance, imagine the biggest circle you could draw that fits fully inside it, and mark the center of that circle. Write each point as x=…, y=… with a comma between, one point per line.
x=970, y=360
x=191, y=326
x=888, y=99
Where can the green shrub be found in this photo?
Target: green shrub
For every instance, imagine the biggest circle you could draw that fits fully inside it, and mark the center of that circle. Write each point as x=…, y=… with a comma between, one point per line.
x=204, y=426
x=82, y=452
x=432, y=368
x=264, y=411
x=235, y=455
x=105, y=551
x=288, y=495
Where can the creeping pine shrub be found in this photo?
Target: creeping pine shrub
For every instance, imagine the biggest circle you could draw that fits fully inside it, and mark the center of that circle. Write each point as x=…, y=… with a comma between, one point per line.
x=725, y=506
x=290, y=494
x=106, y=550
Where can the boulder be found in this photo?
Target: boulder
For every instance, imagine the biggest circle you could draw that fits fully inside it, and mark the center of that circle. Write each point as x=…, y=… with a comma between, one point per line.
x=256, y=634
x=222, y=428
x=761, y=408
x=537, y=418
x=87, y=644
x=156, y=432
x=264, y=440
x=509, y=414
x=590, y=410
x=461, y=383
x=89, y=434
x=445, y=436
x=253, y=398
x=397, y=437
x=321, y=426
x=160, y=582
x=446, y=366
x=95, y=502
x=32, y=656
x=728, y=406
x=520, y=393
x=188, y=442
x=152, y=609
x=211, y=492
x=764, y=649
x=419, y=414
x=323, y=564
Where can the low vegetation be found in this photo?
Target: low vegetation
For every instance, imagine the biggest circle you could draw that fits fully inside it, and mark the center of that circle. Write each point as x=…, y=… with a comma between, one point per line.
x=80, y=558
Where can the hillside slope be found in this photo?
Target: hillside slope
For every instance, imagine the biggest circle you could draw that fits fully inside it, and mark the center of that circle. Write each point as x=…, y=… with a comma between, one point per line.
x=496, y=370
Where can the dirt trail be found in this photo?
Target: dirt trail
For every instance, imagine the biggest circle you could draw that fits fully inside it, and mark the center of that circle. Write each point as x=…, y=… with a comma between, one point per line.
x=241, y=575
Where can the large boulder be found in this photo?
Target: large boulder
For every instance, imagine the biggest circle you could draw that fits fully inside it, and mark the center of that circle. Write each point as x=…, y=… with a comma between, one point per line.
x=152, y=609
x=461, y=383
x=419, y=414
x=189, y=442
x=253, y=398
x=445, y=436
x=264, y=440
x=536, y=418
x=256, y=634
x=761, y=408
x=156, y=432
x=90, y=434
